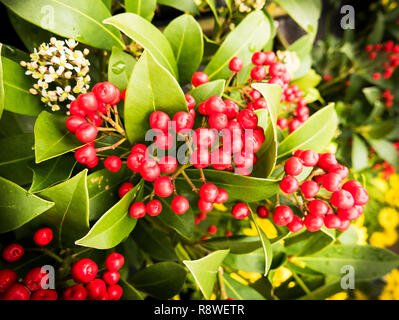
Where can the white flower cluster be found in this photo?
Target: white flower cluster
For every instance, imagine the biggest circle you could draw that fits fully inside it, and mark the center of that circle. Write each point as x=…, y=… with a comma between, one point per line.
x=60, y=71
x=249, y=5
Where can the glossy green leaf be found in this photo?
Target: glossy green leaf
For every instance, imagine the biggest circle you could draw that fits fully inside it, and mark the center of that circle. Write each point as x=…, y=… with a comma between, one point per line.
x=161, y=280
x=368, y=262
x=120, y=67
x=377, y=34
x=359, y=153
x=386, y=151
x=310, y=80
x=129, y=292
x=155, y=242
x=207, y=90
x=144, y=8
x=80, y=20
x=182, y=5
x=213, y=6
x=70, y=215
x=103, y=188
x=251, y=35
x=52, y=138
x=205, y=270
x=16, y=153
x=15, y=90
x=148, y=36
x=249, y=262
x=314, y=134
x=238, y=291
x=236, y=244
x=51, y=172
x=115, y=225
x=240, y=188
x=305, y=12
x=150, y=88
x=303, y=48
x=17, y=206
x=185, y=36
x=267, y=155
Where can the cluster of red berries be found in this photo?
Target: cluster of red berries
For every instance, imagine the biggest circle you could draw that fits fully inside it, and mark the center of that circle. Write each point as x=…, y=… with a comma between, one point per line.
x=209, y=194
x=335, y=207
x=386, y=168
x=388, y=53
x=87, y=114
x=388, y=97
x=87, y=286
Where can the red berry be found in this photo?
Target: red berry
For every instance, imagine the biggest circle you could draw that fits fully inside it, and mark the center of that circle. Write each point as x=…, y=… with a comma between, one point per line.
x=220, y=159
x=228, y=233
x=215, y=104
x=17, y=292
x=96, y=289
x=84, y=270
x=259, y=58
x=310, y=189
x=190, y=101
x=86, y=132
x=114, y=261
x=43, y=236
x=180, y=205
x=296, y=224
x=236, y=64
x=243, y=160
x=182, y=121
x=222, y=196
x=73, y=122
x=345, y=224
x=218, y=121
x=205, y=206
x=34, y=278
x=44, y=294
x=115, y=292
x=212, y=229
x=95, y=119
x=124, y=188
x=342, y=199
x=309, y=158
x=270, y=58
x=154, y=207
x=341, y=170
x=88, y=102
x=260, y=104
x=208, y=192
x=164, y=141
x=258, y=73
x=7, y=279
x=282, y=123
x=111, y=277
x=150, y=170
x=253, y=140
x=135, y=161
x=13, y=252
x=107, y=93
x=168, y=164
x=240, y=211
x=276, y=69
x=123, y=94
x=282, y=215
x=76, y=292
x=163, y=187
x=331, y=182
x=293, y=166
x=204, y=137
x=349, y=214
x=248, y=119
x=75, y=110
x=289, y=184
x=262, y=212
x=137, y=210
x=139, y=148
x=159, y=120
x=360, y=195
x=293, y=125
x=327, y=161
x=232, y=109
x=202, y=108
x=313, y=223
x=113, y=163
x=93, y=163
x=351, y=185
x=85, y=154
x=332, y=221
x=318, y=207
x=200, y=158
x=199, y=78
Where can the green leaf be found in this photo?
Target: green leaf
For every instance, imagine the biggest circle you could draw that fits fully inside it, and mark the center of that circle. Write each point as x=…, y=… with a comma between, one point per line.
x=148, y=36
x=144, y=8
x=129, y=292
x=267, y=155
x=236, y=244
x=240, y=188
x=15, y=87
x=103, y=188
x=185, y=36
x=207, y=90
x=303, y=49
x=161, y=280
x=305, y=12
x=1, y=82
x=249, y=262
x=120, y=67
x=115, y=225
x=52, y=138
x=16, y=153
x=212, y=5
x=18, y=206
x=70, y=215
x=182, y=5
x=314, y=134
x=312, y=95
x=205, y=270
x=310, y=80
x=378, y=31
x=150, y=88
x=155, y=242
x=251, y=35
x=238, y=291
x=368, y=262
x=359, y=154
x=81, y=20
x=386, y=151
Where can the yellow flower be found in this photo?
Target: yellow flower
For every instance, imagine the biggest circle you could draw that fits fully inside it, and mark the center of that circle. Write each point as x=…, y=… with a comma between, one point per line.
x=280, y=275
x=391, y=236
x=339, y=296
x=250, y=276
x=392, y=197
x=360, y=295
x=377, y=239
x=391, y=289
x=380, y=184
x=394, y=181
x=265, y=224
x=388, y=218
x=361, y=233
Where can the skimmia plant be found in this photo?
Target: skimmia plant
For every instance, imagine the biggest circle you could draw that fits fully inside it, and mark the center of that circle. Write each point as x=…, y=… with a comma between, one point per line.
x=171, y=163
